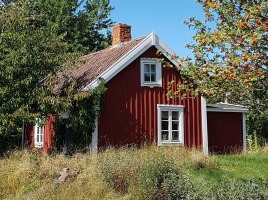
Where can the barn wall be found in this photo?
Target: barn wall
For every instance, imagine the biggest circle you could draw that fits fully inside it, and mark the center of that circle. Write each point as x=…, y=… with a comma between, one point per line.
x=225, y=132
x=130, y=112
x=48, y=135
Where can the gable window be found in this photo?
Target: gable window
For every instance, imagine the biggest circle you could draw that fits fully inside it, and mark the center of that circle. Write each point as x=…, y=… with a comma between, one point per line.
x=151, y=72
x=39, y=131
x=170, y=125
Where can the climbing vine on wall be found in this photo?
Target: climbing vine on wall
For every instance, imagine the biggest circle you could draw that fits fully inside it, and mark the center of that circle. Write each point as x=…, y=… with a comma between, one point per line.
x=76, y=132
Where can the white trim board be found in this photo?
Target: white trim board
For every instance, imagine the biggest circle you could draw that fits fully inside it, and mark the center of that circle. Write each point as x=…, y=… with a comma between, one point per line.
x=122, y=63
x=227, y=110
x=204, y=125
x=94, y=138
x=244, y=133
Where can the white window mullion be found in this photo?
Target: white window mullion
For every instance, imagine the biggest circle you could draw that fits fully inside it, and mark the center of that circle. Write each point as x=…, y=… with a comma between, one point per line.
x=169, y=126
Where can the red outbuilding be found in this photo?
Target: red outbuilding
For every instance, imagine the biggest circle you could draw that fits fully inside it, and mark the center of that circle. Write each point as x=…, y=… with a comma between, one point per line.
x=137, y=111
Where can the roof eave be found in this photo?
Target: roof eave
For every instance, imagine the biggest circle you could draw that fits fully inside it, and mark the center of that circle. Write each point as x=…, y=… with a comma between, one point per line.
x=227, y=110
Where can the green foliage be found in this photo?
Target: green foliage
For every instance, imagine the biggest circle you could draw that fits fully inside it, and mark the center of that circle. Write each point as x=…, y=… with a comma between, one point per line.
x=233, y=189
x=30, y=50
x=257, y=122
x=254, y=142
x=161, y=179
x=76, y=131
x=230, y=56
x=37, y=40
x=87, y=33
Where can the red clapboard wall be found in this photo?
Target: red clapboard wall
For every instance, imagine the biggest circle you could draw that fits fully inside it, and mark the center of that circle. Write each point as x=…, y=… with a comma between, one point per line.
x=130, y=113
x=225, y=132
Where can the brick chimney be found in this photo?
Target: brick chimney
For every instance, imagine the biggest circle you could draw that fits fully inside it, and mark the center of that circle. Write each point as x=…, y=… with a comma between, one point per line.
x=121, y=33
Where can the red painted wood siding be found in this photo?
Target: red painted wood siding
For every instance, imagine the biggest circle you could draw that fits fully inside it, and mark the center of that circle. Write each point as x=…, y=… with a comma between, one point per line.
x=48, y=135
x=225, y=132
x=130, y=112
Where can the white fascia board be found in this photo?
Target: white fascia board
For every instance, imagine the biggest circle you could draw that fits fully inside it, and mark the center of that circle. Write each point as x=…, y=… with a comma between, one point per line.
x=150, y=40
x=161, y=46
x=227, y=110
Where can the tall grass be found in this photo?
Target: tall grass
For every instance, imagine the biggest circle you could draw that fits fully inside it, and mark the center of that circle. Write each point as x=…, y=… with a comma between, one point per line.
x=127, y=173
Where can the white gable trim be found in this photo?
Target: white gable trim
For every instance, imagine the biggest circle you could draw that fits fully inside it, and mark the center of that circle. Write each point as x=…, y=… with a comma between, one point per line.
x=122, y=63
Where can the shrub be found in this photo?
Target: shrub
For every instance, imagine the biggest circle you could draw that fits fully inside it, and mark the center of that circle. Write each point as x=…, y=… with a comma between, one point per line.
x=234, y=189
x=161, y=179
x=119, y=168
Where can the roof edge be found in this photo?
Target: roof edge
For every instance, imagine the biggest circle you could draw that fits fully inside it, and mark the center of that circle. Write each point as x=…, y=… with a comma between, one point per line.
x=149, y=41
x=226, y=107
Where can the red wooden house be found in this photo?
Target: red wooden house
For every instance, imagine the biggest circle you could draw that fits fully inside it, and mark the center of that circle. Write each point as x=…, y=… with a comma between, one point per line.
x=137, y=111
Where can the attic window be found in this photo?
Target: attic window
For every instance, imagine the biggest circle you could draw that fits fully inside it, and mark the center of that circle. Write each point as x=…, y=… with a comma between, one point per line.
x=151, y=72
x=39, y=131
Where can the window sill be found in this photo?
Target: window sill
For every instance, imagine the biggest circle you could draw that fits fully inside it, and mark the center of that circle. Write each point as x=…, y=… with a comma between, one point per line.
x=171, y=144
x=38, y=146
x=151, y=85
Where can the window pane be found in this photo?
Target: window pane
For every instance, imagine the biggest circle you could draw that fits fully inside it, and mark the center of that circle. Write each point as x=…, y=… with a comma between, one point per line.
x=164, y=125
x=164, y=115
x=146, y=68
x=175, y=125
x=153, y=68
x=41, y=138
x=164, y=135
x=175, y=135
x=147, y=77
x=37, y=137
x=153, y=77
x=175, y=115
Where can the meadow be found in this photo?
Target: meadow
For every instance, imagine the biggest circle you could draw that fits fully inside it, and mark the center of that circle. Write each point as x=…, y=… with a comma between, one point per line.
x=130, y=173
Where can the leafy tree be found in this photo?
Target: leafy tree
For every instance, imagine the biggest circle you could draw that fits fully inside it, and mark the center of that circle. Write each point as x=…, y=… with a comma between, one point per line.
x=230, y=55
x=85, y=32
x=37, y=40
x=30, y=51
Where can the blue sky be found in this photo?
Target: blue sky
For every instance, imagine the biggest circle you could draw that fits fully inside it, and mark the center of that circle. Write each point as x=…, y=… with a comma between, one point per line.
x=164, y=17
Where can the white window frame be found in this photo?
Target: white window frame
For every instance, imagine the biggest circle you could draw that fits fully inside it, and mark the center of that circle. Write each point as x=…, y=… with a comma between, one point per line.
x=39, y=130
x=170, y=108
x=158, y=79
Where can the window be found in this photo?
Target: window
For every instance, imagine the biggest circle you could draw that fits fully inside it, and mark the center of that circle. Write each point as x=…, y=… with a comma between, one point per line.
x=39, y=131
x=151, y=73
x=170, y=125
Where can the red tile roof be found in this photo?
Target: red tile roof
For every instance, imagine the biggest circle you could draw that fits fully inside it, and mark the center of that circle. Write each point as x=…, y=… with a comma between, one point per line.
x=95, y=64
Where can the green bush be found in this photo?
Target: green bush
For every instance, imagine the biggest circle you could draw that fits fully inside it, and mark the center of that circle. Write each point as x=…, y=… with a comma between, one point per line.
x=161, y=179
x=234, y=189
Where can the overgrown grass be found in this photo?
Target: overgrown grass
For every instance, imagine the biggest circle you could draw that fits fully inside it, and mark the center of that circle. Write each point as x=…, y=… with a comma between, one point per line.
x=147, y=173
